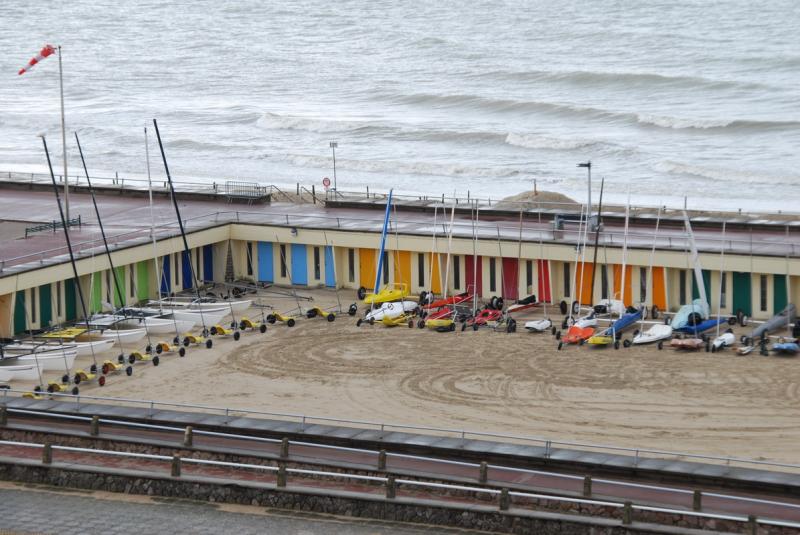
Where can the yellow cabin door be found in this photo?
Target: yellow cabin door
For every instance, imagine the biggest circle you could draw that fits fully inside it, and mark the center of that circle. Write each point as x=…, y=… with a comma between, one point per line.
x=436, y=277
x=628, y=296
x=402, y=267
x=366, y=268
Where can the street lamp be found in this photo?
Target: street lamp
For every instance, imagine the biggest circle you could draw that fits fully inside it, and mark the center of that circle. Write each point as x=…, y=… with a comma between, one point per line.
x=333, y=146
x=588, y=166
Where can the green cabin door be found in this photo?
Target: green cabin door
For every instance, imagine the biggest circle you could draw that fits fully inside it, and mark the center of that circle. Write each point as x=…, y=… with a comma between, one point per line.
x=118, y=300
x=70, y=305
x=19, y=313
x=45, y=305
x=142, y=280
x=706, y=283
x=96, y=304
x=742, y=293
x=780, y=298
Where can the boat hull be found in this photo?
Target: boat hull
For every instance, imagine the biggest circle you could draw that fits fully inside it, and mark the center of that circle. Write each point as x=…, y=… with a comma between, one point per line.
x=539, y=326
x=655, y=333
x=391, y=310
x=48, y=363
x=19, y=372
x=156, y=325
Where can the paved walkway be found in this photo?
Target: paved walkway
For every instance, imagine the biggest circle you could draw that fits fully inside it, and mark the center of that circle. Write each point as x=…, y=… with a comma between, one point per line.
x=40, y=510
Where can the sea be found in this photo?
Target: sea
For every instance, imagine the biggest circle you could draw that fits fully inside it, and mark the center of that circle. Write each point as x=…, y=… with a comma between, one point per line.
x=679, y=102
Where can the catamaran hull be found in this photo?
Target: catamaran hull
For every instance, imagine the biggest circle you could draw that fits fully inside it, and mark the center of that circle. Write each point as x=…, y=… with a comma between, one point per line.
x=86, y=349
x=49, y=363
x=23, y=372
x=121, y=336
x=235, y=306
x=199, y=317
x=160, y=325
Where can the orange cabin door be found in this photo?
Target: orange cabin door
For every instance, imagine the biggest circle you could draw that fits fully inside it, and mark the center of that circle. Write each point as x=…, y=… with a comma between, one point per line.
x=366, y=268
x=659, y=288
x=628, y=296
x=584, y=283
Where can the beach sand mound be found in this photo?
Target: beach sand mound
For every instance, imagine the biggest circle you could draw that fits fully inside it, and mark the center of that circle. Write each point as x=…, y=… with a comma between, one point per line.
x=529, y=200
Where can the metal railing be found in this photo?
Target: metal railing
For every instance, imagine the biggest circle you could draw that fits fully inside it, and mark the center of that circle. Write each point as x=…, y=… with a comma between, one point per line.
x=549, y=445
x=205, y=185
x=501, y=232
x=378, y=454
x=391, y=483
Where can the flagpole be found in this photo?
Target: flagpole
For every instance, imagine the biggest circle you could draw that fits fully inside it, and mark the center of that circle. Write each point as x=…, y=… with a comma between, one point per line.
x=63, y=136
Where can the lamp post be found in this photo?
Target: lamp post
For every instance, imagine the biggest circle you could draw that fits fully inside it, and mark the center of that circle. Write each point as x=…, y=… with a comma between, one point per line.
x=333, y=146
x=588, y=166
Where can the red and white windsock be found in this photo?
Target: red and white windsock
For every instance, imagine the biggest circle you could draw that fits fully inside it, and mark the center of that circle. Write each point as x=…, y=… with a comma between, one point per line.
x=43, y=53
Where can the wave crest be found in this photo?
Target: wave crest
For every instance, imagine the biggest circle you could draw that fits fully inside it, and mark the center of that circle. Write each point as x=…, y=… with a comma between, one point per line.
x=533, y=141
x=399, y=167
x=274, y=121
x=722, y=174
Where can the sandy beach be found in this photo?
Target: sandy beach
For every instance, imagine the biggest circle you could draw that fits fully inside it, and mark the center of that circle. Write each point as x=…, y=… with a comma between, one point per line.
x=519, y=384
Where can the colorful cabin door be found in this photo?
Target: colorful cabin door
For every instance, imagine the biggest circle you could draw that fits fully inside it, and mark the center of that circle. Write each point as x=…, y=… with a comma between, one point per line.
x=545, y=292
x=742, y=293
x=299, y=264
x=474, y=281
x=266, y=268
x=166, y=276
x=510, y=278
x=208, y=262
x=330, y=268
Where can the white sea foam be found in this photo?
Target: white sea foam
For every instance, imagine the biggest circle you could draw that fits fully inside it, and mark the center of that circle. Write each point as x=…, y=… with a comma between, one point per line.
x=532, y=141
x=408, y=168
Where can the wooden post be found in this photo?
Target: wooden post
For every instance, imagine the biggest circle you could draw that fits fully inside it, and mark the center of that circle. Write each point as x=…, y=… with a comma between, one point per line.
x=94, y=428
x=752, y=524
x=47, y=453
x=483, y=476
x=3, y=416
x=188, y=437
x=697, y=501
x=587, y=486
x=382, y=460
x=176, y=465
x=282, y=475
x=284, y=448
x=314, y=193
x=505, y=500
x=391, y=487
x=627, y=513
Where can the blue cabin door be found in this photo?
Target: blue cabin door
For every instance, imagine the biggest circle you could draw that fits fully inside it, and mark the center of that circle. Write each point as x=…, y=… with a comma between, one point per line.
x=266, y=270
x=165, y=275
x=299, y=264
x=187, y=270
x=330, y=275
x=208, y=262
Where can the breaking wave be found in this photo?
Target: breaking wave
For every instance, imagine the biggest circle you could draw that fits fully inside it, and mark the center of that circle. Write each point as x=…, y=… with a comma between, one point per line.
x=532, y=141
x=408, y=168
x=723, y=175
x=586, y=112
x=623, y=79
x=274, y=121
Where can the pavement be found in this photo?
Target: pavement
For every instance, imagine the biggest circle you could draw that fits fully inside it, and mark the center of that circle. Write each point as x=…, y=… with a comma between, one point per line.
x=42, y=510
x=127, y=221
